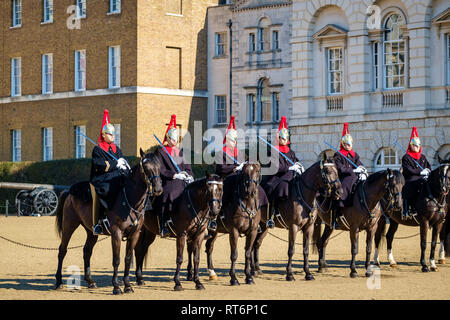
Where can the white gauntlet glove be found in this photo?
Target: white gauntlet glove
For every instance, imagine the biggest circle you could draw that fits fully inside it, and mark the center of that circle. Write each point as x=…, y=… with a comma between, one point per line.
x=123, y=164
x=425, y=172
x=360, y=169
x=189, y=179
x=181, y=176
x=239, y=167
x=297, y=167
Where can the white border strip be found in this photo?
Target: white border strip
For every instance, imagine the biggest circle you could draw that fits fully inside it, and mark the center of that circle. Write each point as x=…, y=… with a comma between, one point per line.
x=105, y=92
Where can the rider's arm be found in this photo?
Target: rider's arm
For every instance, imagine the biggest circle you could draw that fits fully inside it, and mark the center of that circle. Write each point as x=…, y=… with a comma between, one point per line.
x=341, y=165
x=101, y=161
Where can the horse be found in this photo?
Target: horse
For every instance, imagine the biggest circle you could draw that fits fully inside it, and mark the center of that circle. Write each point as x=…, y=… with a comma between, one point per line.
x=362, y=215
x=431, y=212
x=240, y=215
x=200, y=201
x=140, y=188
x=297, y=212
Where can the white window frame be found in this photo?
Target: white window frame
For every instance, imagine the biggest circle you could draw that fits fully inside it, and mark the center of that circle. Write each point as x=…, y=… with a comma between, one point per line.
x=80, y=142
x=220, y=105
x=385, y=54
x=47, y=144
x=220, y=41
x=17, y=13
x=117, y=134
x=260, y=39
x=114, y=67
x=81, y=9
x=16, y=77
x=275, y=40
x=16, y=145
x=382, y=155
x=80, y=70
x=115, y=3
x=48, y=11
x=252, y=42
x=331, y=71
x=47, y=73
x=376, y=65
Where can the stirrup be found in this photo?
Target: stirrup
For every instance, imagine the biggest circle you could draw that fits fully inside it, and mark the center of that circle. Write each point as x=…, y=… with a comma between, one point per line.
x=270, y=224
x=97, y=230
x=212, y=226
x=164, y=233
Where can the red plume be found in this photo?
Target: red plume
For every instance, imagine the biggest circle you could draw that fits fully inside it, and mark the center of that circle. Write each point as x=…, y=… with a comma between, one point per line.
x=105, y=146
x=231, y=124
x=341, y=149
x=415, y=155
x=172, y=123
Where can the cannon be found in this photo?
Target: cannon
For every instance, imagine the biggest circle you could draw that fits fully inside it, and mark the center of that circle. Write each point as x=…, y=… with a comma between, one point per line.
x=35, y=198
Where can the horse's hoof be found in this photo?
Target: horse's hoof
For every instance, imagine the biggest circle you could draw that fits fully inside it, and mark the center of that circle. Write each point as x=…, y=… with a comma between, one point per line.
x=128, y=290
x=199, y=286
x=394, y=265
x=434, y=269
x=377, y=264
x=117, y=291
x=369, y=274
x=92, y=285
x=59, y=287
x=353, y=274
x=140, y=282
x=213, y=277
x=258, y=273
x=290, y=277
x=309, y=277
x=178, y=288
x=234, y=282
x=425, y=269
x=322, y=270
x=249, y=281
x=441, y=261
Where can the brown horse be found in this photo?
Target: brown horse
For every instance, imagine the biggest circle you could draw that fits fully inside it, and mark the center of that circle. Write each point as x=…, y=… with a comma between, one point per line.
x=140, y=189
x=297, y=211
x=200, y=201
x=240, y=215
x=431, y=213
x=362, y=215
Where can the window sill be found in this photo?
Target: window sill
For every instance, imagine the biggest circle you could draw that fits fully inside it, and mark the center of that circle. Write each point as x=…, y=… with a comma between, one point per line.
x=47, y=22
x=16, y=27
x=263, y=51
x=223, y=56
x=113, y=13
x=174, y=15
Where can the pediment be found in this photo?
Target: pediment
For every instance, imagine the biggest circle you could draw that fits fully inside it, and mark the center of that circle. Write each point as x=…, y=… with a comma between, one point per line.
x=443, y=17
x=255, y=4
x=330, y=31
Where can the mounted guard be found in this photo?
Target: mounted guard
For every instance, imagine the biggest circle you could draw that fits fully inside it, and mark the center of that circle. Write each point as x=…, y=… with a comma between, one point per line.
x=108, y=170
x=175, y=174
x=277, y=186
x=416, y=170
x=345, y=158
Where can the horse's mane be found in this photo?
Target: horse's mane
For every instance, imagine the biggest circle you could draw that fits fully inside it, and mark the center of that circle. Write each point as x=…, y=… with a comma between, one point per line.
x=376, y=175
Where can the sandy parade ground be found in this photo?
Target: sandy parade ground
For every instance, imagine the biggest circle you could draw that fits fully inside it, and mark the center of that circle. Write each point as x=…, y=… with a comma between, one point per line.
x=29, y=260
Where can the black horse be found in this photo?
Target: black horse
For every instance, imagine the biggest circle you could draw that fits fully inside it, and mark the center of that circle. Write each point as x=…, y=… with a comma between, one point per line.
x=432, y=208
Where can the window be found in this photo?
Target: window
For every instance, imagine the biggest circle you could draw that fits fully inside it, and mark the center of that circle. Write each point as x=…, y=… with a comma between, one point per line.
x=16, y=13
x=264, y=100
x=334, y=65
x=48, y=11
x=81, y=9
x=251, y=42
x=276, y=106
x=387, y=158
x=114, y=6
x=16, y=77
x=114, y=67
x=394, y=53
x=375, y=55
x=448, y=59
x=220, y=106
x=80, y=142
x=275, y=44
x=220, y=43
x=251, y=103
x=47, y=144
x=117, y=134
x=263, y=39
x=47, y=73
x=16, y=137
x=80, y=70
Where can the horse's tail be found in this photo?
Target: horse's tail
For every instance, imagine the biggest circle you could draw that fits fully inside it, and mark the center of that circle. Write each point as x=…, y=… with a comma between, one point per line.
x=316, y=234
x=59, y=211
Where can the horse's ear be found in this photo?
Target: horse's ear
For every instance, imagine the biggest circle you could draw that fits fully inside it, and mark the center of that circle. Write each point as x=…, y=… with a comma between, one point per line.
x=389, y=173
x=401, y=170
x=142, y=153
x=324, y=156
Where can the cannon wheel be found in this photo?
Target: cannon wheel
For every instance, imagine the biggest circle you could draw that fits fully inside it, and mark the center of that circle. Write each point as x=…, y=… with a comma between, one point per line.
x=24, y=203
x=45, y=202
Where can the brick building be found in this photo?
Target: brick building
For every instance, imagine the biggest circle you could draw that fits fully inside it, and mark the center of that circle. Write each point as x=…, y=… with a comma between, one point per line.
x=63, y=62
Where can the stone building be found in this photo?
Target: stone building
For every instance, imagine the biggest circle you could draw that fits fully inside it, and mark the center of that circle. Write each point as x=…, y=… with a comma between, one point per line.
x=382, y=66
x=63, y=62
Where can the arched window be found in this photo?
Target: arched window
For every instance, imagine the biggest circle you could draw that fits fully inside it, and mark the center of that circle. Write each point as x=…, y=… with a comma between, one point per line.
x=387, y=158
x=394, y=52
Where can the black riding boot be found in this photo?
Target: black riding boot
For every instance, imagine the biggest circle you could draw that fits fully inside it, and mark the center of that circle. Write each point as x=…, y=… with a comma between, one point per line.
x=405, y=213
x=270, y=223
x=163, y=225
